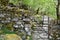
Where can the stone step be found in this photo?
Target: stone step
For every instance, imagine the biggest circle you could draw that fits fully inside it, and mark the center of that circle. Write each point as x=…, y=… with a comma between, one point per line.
x=45, y=28
x=45, y=25
x=40, y=36
x=44, y=35
x=45, y=22
x=45, y=19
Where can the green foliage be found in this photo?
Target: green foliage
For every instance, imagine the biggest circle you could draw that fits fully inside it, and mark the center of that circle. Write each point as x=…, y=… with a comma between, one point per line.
x=14, y=1
x=45, y=6
x=6, y=31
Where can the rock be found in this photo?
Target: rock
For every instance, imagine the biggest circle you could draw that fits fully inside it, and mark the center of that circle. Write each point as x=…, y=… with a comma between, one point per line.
x=29, y=33
x=7, y=15
x=18, y=22
x=26, y=29
x=2, y=37
x=1, y=15
x=15, y=26
x=12, y=37
x=22, y=25
x=15, y=19
x=44, y=35
x=18, y=26
x=6, y=21
x=26, y=20
x=27, y=25
x=8, y=18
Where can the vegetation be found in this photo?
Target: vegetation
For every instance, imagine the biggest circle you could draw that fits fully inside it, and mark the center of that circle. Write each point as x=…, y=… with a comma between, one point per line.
x=45, y=6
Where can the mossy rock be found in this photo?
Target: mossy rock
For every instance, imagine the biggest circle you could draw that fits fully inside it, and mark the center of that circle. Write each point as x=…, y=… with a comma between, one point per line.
x=1, y=31
x=12, y=37
x=4, y=2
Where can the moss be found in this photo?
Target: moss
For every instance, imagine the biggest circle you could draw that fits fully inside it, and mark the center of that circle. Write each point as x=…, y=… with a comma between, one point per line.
x=12, y=36
x=4, y=2
x=30, y=37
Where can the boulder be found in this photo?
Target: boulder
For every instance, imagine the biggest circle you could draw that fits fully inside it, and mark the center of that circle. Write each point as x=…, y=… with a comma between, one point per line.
x=12, y=37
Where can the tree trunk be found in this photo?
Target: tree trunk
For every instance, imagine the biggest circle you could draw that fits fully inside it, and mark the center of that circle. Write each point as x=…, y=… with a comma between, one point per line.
x=58, y=12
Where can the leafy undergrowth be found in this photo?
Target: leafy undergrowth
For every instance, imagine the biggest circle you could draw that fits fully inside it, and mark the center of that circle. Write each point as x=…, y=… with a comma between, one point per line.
x=6, y=31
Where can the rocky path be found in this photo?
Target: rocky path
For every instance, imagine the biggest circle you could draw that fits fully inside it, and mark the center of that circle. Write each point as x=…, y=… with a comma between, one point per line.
x=41, y=33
